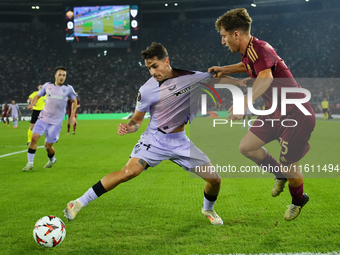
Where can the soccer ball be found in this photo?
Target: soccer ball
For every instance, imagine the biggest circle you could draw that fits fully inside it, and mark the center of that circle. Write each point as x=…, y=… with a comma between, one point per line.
x=49, y=231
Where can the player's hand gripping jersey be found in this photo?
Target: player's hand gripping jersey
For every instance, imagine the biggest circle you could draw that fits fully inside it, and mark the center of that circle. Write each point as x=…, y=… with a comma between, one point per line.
x=171, y=102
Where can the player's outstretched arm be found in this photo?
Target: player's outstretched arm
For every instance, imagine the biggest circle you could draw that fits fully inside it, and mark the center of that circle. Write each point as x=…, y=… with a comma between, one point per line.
x=232, y=81
x=133, y=125
x=261, y=84
x=230, y=69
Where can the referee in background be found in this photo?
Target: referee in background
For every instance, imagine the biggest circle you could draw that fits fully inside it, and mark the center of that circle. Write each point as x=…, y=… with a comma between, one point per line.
x=36, y=110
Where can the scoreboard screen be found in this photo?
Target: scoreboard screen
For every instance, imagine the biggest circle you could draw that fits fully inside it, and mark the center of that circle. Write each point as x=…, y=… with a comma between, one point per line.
x=107, y=26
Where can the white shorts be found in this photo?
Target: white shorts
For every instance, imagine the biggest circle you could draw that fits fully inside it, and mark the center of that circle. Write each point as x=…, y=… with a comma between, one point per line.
x=177, y=147
x=51, y=131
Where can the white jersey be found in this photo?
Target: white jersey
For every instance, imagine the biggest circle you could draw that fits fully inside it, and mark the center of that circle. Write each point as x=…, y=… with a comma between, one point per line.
x=173, y=101
x=56, y=101
x=14, y=110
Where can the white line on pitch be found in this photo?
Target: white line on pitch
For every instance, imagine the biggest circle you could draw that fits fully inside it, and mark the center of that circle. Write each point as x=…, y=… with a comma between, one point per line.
x=17, y=152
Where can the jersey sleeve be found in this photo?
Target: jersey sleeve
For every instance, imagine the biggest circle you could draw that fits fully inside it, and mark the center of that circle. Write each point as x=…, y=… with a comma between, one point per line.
x=72, y=95
x=145, y=99
x=264, y=57
x=42, y=91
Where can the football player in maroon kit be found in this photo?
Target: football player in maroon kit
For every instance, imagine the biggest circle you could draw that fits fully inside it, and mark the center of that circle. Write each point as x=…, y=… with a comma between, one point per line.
x=260, y=61
x=5, y=114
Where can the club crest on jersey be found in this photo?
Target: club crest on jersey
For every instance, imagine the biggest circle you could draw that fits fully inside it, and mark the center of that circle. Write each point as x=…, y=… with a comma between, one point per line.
x=172, y=88
x=139, y=97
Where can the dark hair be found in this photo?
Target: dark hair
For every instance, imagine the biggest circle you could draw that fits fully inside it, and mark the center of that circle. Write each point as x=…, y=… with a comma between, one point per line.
x=60, y=68
x=155, y=50
x=235, y=19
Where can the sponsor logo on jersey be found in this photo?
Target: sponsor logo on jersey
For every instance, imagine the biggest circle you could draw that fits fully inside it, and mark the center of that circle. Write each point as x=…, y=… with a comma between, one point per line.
x=55, y=96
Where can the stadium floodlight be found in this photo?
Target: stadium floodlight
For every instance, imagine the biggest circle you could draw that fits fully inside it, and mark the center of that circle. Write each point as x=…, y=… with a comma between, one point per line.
x=175, y=4
x=37, y=7
x=166, y=4
x=33, y=7
x=254, y=5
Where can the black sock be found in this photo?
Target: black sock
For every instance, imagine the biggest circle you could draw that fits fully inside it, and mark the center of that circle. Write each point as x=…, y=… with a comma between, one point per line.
x=209, y=197
x=31, y=151
x=99, y=189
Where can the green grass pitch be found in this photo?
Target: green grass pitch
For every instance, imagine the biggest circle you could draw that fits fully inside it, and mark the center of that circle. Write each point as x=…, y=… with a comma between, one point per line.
x=159, y=211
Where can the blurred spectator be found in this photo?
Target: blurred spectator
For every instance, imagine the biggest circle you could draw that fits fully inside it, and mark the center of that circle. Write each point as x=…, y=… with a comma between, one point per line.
x=110, y=83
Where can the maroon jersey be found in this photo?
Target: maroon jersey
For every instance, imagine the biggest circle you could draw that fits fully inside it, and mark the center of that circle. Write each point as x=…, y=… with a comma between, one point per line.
x=69, y=107
x=259, y=56
x=5, y=110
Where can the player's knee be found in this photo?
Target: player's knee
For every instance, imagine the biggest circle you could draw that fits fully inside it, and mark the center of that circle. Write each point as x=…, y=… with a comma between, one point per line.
x=215, y=182
x=128, y=174
x=48, y=146
x=34, y=139
x=244, y=150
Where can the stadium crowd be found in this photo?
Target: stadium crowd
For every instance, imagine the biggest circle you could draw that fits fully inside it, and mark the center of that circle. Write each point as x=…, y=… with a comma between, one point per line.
x=109, y=82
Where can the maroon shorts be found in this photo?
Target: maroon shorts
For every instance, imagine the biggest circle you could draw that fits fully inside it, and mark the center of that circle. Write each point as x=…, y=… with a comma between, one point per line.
x=293, y=140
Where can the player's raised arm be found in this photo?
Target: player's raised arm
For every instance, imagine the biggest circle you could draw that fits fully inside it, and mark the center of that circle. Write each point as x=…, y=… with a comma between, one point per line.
x=133, y=125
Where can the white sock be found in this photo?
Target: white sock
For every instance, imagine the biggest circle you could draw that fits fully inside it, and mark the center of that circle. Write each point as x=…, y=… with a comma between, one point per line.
x=89, y=196
x=208, y=205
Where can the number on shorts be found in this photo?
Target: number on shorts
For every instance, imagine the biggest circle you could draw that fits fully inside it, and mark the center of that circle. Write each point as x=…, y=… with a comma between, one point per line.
x=284, y=146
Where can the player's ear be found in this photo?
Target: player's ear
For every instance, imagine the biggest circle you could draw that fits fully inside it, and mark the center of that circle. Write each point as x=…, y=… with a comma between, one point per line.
x=236, y=34
x=167, y=61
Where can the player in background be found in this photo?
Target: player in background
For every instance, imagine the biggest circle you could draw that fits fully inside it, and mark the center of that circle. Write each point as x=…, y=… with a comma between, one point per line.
x=14, y=108
x=69, y=112
x=51, y=117
x=325, y=109
x=260, y=61
x=164, y=138
x=5, y=114
x=36, y=111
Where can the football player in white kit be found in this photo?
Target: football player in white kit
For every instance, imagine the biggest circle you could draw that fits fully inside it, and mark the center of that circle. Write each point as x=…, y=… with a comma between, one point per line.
x=51, y=117
x=166, y=95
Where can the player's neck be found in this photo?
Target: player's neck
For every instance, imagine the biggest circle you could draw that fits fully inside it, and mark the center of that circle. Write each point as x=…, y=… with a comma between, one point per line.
x=170, y=73
x=244, y=43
